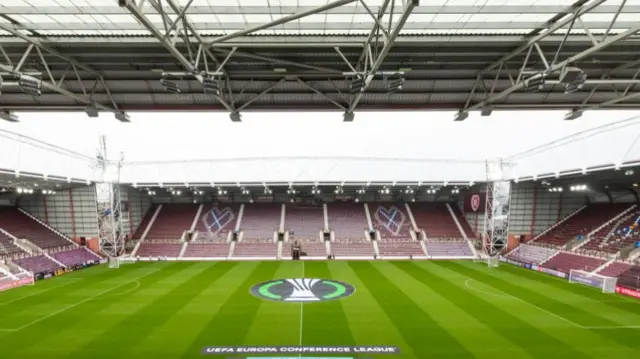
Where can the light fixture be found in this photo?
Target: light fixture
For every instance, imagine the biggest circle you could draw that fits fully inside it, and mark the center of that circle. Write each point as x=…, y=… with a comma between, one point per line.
x=357, y=84
x=409, y=190
x=122, y=117
x=30, y=85
x=578, y=188
x=91, y=111
x=338, y=190
x=486, y=111
x=348, y=117
x=170, y=86
x=235, y=116
x=573, y=114
x=221, y=191
x=244, y=191
x=290, y=190
x=534, y=83
x=8, y=116
x=394, y=83
x=628, y=173
x=461, y=116
x=315, y=190
x=555, y=189
x=211, y=84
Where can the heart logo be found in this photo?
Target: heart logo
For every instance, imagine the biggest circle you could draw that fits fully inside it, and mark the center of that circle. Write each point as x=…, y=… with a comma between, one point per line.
x=392, y=219
x=216, y=220
x=475, y=202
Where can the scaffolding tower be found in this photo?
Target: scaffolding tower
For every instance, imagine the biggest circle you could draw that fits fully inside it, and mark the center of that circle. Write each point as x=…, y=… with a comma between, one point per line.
x=496, y=216
x=109, y=203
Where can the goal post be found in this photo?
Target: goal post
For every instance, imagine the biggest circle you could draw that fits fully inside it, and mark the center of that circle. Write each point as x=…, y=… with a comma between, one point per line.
x=493, y=262
x=606, y=284
x=116, y=262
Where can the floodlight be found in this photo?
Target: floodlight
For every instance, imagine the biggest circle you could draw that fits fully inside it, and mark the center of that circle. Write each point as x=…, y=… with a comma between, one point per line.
x=91, y=111
x=170, y=86
x=211, y=85
x=394, y=83
x=534, y=84
x=8, y=116
x=576, y=113
x=461, y=116
x=486, y=111
x=122, y=117
x=30, y=85
x=235, y=117
x=356, y=85
x=348, y=117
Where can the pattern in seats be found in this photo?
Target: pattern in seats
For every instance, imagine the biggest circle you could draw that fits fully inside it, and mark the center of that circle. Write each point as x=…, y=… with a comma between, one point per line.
x=255, y=248
x=391, y=220
x=216, y=221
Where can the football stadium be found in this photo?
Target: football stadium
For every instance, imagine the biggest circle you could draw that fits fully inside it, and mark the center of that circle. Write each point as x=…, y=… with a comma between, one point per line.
x=320, y=179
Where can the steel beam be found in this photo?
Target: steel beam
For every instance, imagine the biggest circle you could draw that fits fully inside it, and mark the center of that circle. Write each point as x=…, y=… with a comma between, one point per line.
x=258, y=96
x=181, y=14
x=553, y=28
x=281, y=20
x=411, y=4
x=170, y=47
x=555, y=67
x=321, y=94
x=278, y=61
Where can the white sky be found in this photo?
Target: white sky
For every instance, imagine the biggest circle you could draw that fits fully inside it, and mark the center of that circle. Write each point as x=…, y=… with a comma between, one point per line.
x=417, y=135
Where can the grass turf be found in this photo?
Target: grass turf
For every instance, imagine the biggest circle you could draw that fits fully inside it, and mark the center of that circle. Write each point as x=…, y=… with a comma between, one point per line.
x=430, y=309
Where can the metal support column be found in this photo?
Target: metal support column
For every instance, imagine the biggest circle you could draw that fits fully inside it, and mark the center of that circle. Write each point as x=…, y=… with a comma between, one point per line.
x=496, y=216
x=111, y=234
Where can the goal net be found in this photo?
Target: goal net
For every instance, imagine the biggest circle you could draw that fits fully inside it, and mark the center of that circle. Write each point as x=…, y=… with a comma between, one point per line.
x=116, y=262
x=607, y=284
x=493, y=262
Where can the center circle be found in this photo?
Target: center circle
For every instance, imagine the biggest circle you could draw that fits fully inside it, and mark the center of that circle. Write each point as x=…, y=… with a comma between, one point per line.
x=302, y=290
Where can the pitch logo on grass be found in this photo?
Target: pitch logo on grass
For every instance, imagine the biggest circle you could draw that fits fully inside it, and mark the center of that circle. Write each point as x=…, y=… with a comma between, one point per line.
x=296, y=290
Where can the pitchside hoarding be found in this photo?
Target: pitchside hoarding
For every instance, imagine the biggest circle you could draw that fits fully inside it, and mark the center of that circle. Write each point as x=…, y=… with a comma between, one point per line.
x=628, y=292
x=16, y=283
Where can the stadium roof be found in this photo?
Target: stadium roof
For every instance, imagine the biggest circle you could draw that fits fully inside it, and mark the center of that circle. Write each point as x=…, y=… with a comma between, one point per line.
x=299, y=54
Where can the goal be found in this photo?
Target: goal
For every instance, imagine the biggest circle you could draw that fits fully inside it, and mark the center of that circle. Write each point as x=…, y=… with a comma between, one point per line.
x=607, y=284
x=492, y=262
x=116, y=262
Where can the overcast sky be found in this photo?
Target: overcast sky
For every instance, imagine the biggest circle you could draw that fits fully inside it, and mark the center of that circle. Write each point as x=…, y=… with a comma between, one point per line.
x=419, y=135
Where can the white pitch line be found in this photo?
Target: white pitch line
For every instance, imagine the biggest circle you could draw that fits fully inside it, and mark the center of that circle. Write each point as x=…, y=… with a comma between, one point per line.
x=71, y=280
x=75, y=304
x=301, y=311
x=533, y=305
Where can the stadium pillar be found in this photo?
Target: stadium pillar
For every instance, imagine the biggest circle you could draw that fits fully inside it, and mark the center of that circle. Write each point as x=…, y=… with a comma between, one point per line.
x=72, y=214
x=496, y=215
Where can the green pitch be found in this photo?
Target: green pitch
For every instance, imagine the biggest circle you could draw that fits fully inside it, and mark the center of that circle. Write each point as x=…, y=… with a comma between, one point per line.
x=428, y=309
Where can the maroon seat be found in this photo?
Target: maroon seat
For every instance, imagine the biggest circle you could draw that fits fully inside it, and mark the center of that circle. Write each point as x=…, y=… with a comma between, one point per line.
x=75, y=256
x=172, y=221
x=260, y=220
x=37, y=264
x=145, y=222
x=311, y=247
x=448, y=248
x=435, y=220
x=347, y=220
x=7, y=248
x=352, y=248
x=564, y=262
x=582, y=223
x=615, y=269
x=24, y=227
x=630, y=278
x=304, y=222
x=391, y=248
x=159, y=249
x=207, y=250
x=256, y=248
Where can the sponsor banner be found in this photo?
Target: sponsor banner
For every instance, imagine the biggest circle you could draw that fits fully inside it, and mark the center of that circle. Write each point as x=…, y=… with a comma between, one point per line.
x=586, y=280
x=514, y=262
x=552, y=272
x=365, y=349
x=534, y=267
x=628, y=292
x=16, y=283
x=527, y=265
x=474, y=202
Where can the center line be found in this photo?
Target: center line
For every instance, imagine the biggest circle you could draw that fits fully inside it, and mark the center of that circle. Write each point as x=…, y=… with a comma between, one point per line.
x=301, y=311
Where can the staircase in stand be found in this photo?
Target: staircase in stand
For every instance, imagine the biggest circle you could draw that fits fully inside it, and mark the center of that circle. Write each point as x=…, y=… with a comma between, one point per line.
x=48, y=227
x=462, y=232
x=558, y=223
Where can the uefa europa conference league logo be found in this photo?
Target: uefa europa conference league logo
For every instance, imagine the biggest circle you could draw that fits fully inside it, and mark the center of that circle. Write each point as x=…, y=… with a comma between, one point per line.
x=296, y=290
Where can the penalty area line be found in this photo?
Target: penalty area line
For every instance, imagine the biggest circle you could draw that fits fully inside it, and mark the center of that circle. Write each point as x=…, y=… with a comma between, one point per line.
x=76, y=304
x=505, y=294
x=70, y=281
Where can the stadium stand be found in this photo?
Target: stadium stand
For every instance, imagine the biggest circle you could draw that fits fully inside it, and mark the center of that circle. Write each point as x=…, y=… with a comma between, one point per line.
x=309, y=248
x=352, y=248
x=399, y=248
x=304, y=222
x=172, y=221
x=216, y=221
x=630, y=278
x=391, y=220
x=532, y=254
x=564, y=262
x=435, y=220
x=260, y=221
x=449, y=248
x=613, y=237
x=466, y=227
x=37, y=264
x=582, y=223
x=207, y=250
x=145, y=222
x=347, y=220
x=159, y=248
x=75, y=256
x=614, y=269
x=22, y=226
x=256, y=248
x=7, y=248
